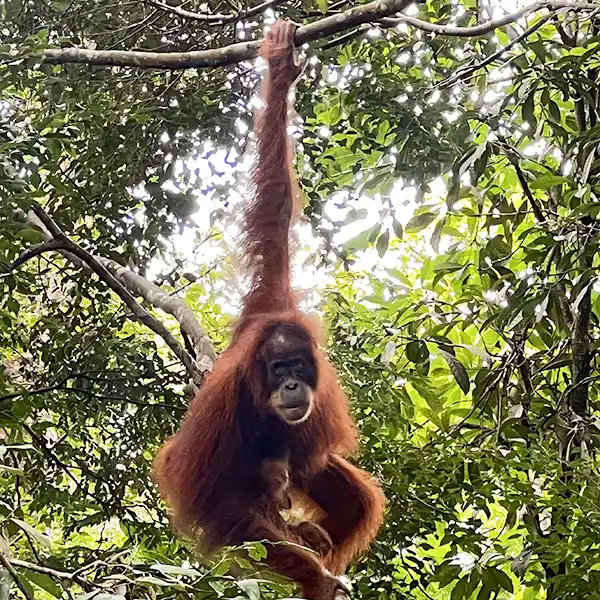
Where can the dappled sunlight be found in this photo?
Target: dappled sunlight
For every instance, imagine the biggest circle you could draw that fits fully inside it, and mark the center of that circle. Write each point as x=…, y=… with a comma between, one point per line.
x=450, y=244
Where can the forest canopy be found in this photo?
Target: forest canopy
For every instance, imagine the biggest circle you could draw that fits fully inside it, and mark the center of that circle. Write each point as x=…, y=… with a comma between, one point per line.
x=448, y=157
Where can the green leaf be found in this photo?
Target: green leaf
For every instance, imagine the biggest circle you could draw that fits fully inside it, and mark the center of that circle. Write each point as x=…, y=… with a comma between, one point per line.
x=554, y=111
x=485, y=592
x=589, y=161
x=250, y=588
x=431, y=396
x=447, y=267
x=458, y=370
x=398, y=230
x=419, y=222
x=45, y=582
x=436, y=236
x=355, y=215
x=257, y=551
x=517, y=319
x=384, y=127
x=527, y=109
x=374, y=232
x=382, y=243
x=381, y=182
x=547, y=181
x=361, y=241
x=459, y=591
x=472, y=156
x=579, y=298
x=417, y=351
x=501, y=578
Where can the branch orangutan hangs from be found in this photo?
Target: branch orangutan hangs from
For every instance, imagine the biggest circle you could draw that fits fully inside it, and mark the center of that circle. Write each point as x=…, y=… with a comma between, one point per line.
x=271, y=422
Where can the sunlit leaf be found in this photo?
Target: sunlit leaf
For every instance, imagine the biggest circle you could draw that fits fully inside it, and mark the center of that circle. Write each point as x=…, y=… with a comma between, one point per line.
x=388, y=352
x=547, y=181
x=174, y=570
x=250, y=587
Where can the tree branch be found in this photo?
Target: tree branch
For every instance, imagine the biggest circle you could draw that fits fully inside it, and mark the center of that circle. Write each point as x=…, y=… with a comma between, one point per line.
x=41, y=569
x=580, y=342
x=488, y=26
x=44, y=390
x=373, y=12
x=535, y=207
x=227, y=55
x=74, y=576
x=216, y=18
x=466, y=72
x=204, y=351
x=15, y=576
x=345, y=38
x=46, y=246
x=124, y=294
x=174, y=305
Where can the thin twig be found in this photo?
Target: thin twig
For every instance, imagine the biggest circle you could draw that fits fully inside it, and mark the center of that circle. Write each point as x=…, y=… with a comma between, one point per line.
x=74, y=577
x=41, y=569
x=467, y=71
x=486, y=27
x=44, y=390
x=345, y=38
x=217, y=18
x=535, y=207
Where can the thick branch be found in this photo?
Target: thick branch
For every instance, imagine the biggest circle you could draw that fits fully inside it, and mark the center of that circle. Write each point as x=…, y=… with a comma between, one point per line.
x=234, y=53
x=47, y=246
x=124, y=294
x=174, y=305
x=15, y=576
x=372, y=12
x=216, y=18
x=580, y=345
x=203, y=348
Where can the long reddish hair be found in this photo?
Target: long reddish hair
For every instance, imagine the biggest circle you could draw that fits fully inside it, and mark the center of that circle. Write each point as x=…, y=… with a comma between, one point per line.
x=200, y=470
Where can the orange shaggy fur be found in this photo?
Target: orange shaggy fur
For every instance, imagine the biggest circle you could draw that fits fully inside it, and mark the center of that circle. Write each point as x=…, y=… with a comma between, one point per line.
x=204, y=471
